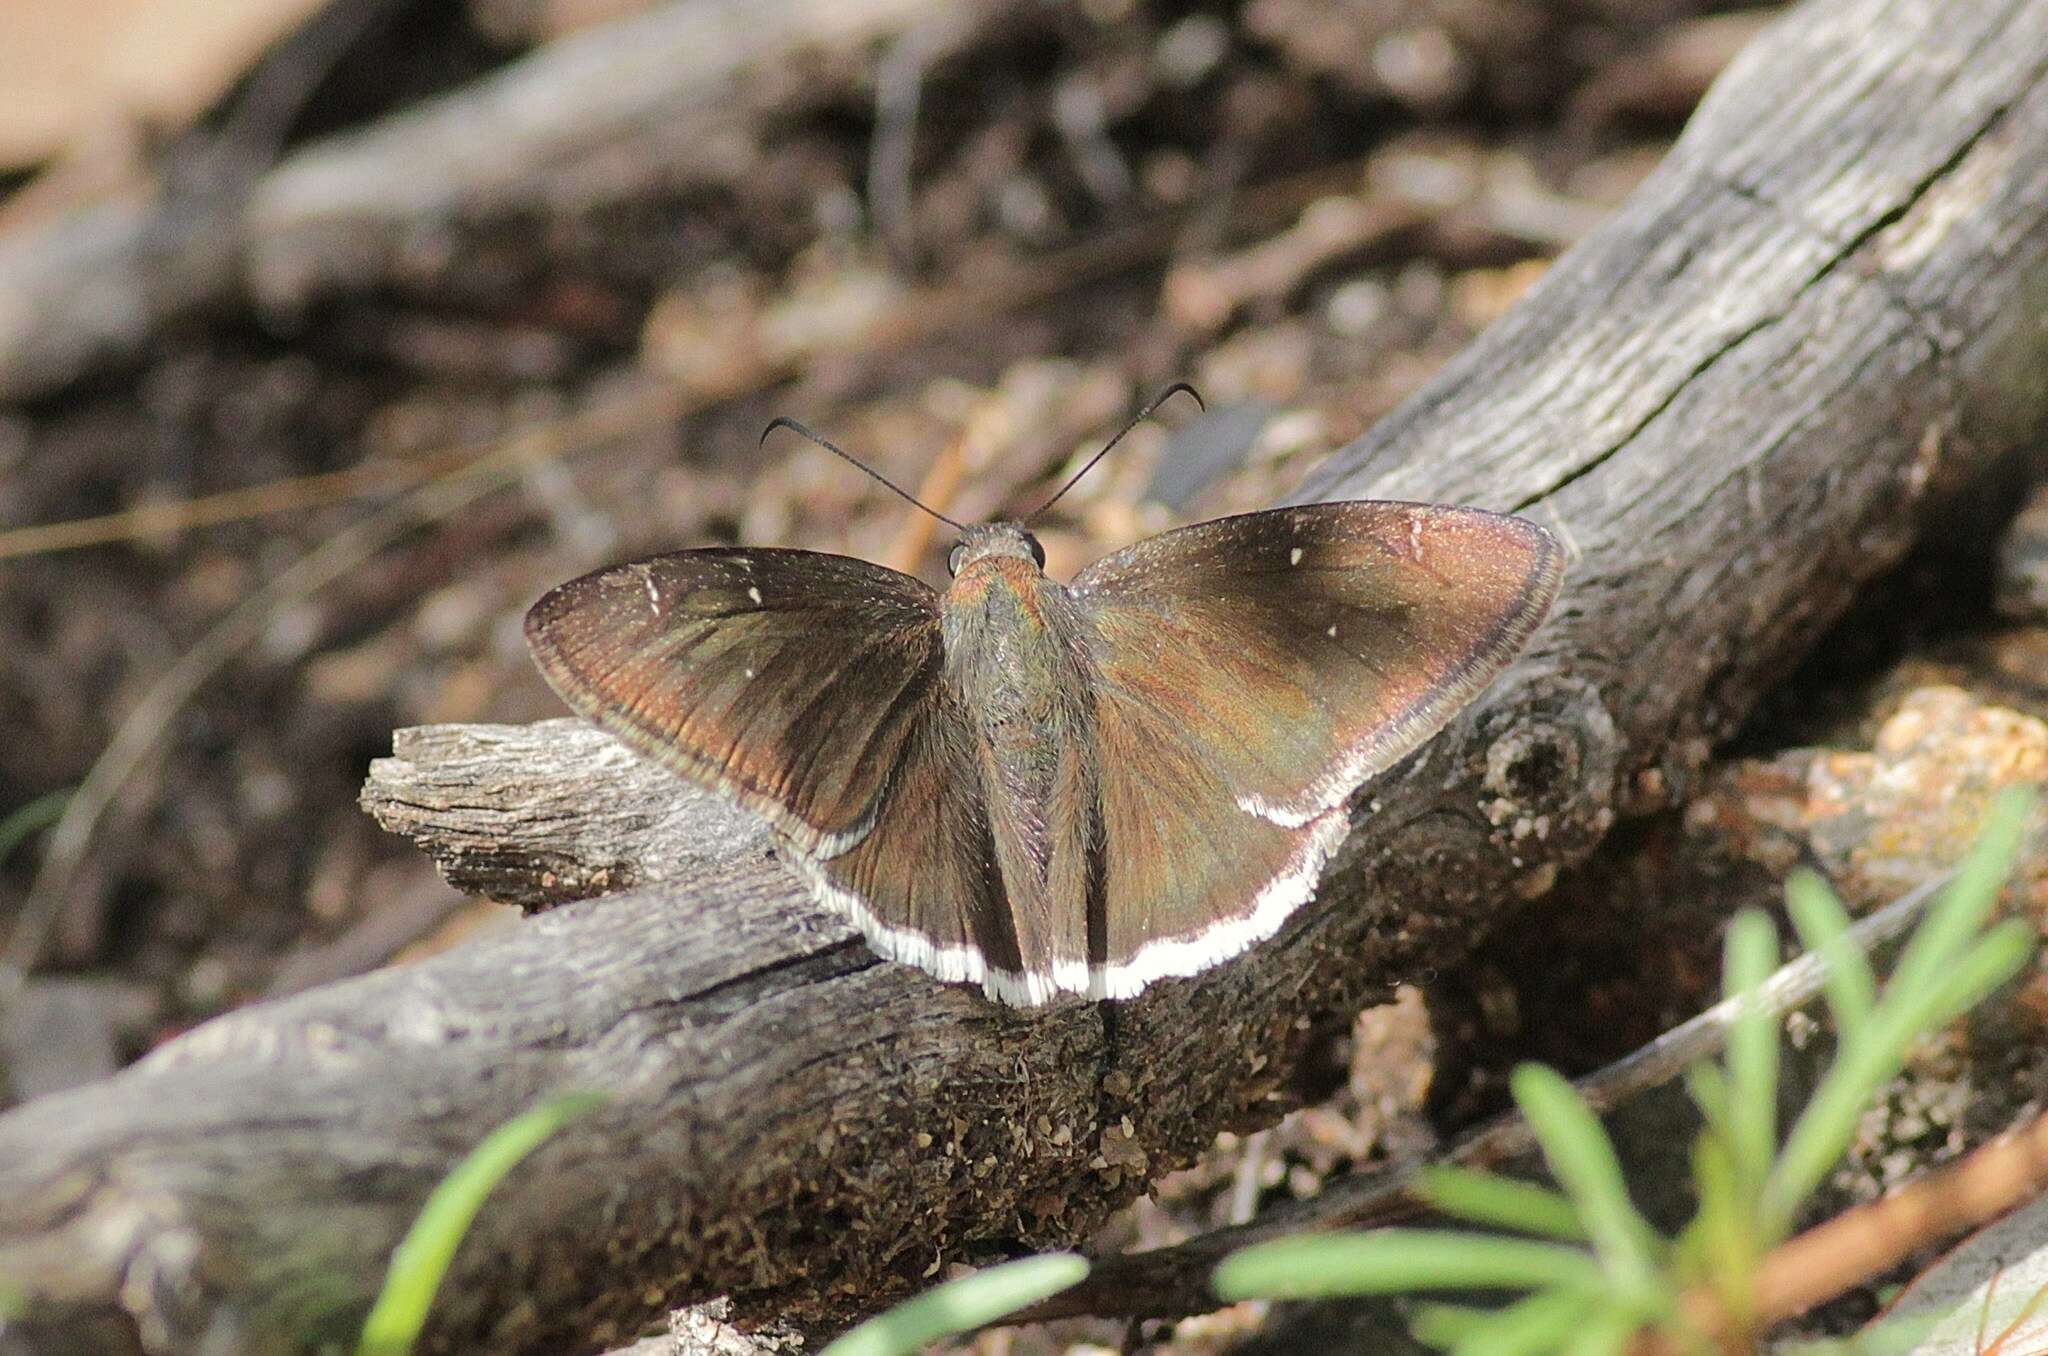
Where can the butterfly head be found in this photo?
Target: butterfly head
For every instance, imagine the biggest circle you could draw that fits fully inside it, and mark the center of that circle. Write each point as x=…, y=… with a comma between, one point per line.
x=987, y=543
x=999, y=585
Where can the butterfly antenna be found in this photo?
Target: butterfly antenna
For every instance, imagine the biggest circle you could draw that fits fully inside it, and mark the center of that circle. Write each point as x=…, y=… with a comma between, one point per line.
x=1140, y=417
x=829, y=446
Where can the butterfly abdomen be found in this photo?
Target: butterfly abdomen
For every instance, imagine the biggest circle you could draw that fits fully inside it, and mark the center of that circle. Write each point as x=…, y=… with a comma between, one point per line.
x=1015, y=670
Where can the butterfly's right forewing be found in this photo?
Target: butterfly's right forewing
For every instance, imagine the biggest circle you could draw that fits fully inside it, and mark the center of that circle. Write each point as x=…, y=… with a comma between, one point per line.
x=1250, y=673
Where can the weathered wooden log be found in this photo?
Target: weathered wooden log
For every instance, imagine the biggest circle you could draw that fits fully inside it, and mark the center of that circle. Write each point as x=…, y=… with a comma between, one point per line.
x=1812, y=332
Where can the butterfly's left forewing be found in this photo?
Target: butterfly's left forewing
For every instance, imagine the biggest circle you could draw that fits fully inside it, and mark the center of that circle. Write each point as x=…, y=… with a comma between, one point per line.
x=1250, y=673
x=807, y=688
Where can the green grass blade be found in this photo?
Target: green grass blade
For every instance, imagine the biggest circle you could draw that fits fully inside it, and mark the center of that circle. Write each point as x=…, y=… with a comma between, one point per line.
x=1444, y=1325
x=1823, y=927
x=1582, y=1158
x=1393, y=1261
x=1608, y=1333
x=1752, y=1108
x=1968, y=901
x=961, y=1306
x=1528, y=1327
x=1483, y=1198
x=421, y=1259
x=1826, y=1126
x=1718, y=1242
x=39, y=813
x=1941, y=968
x=1998, y=955
x=1707, y=1085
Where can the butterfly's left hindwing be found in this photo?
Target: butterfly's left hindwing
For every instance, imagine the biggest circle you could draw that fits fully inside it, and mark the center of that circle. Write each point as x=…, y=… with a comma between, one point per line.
x=1250, y=673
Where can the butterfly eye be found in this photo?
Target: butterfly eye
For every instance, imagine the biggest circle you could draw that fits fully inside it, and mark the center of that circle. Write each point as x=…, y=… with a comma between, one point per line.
x=953, y=561
x=1037, y=551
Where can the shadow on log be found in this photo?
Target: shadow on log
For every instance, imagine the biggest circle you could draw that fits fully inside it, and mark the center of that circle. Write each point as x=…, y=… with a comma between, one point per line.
x=1815, y=329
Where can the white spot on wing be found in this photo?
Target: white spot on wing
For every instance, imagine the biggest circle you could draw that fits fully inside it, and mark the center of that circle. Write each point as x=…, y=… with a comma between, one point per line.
x=1294, y=556
x=755, y=594
x=1332, y=631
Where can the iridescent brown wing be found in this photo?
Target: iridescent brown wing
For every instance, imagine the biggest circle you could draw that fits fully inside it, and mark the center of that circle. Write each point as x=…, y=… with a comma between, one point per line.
x=1251, y=673
x=806, y=687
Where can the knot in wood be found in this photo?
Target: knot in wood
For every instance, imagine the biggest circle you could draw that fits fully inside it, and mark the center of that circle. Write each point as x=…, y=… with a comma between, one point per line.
x=1555, y=746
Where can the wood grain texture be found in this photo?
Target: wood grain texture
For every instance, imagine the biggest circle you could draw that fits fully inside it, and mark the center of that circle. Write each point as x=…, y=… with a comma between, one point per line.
x=1811, y=334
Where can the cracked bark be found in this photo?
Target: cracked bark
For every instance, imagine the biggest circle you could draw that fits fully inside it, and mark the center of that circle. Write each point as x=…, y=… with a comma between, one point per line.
x=1813, y=333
